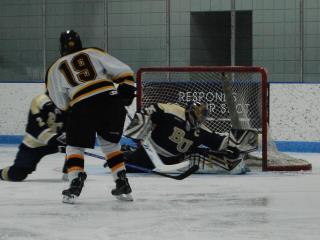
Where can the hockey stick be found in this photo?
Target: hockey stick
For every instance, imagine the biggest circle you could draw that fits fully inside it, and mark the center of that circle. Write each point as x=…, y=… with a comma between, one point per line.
x=156, y=160
x=181, y=176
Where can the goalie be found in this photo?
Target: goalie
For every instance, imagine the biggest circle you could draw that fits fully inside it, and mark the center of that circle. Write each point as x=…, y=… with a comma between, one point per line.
x=171, y=135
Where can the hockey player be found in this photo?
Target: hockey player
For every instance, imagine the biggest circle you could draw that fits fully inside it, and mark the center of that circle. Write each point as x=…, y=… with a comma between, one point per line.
x=83, y=81
x=44, y=135
x=174, y=132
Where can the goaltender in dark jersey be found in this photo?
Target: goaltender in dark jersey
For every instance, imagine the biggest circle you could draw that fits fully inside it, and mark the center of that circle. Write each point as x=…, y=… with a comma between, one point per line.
x=177, y=134
x=172, y=135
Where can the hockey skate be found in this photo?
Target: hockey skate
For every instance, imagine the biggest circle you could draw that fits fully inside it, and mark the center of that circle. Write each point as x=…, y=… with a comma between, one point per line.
x=71, y=194
x=122, y=191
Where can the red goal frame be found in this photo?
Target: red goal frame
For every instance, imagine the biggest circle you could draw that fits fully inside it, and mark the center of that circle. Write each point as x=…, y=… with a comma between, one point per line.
x=237, y=69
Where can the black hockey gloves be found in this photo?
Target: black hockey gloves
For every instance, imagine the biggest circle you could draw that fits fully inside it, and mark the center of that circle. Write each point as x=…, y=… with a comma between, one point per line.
x=127, y=93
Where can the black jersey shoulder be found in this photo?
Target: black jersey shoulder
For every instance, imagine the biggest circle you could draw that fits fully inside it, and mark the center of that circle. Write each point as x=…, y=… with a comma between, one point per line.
x=173, y=109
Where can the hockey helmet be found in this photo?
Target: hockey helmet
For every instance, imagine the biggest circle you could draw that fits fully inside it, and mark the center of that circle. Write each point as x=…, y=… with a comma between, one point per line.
x=196, y=113
x=69, y=42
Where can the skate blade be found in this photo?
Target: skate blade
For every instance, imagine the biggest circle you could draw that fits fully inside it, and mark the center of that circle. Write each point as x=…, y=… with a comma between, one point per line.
x=125, y=197
x=69, y=199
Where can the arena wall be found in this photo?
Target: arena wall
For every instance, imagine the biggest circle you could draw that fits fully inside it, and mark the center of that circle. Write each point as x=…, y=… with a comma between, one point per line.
x=294, y=115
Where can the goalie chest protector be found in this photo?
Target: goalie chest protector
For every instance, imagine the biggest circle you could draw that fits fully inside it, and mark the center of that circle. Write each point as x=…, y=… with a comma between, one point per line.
x=172, y=132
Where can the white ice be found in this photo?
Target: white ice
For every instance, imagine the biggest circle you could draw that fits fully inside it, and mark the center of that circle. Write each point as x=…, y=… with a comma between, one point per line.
x=284, y=206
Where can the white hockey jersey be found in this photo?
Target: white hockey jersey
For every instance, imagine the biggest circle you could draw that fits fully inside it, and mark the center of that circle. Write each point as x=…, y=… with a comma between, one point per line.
x=85, y=73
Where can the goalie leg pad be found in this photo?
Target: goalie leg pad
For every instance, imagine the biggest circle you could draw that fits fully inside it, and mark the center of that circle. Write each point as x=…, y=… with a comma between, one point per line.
x=246, y=140
x=233, y=165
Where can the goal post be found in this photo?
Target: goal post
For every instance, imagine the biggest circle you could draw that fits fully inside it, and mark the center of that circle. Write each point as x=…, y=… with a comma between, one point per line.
x=237, y=96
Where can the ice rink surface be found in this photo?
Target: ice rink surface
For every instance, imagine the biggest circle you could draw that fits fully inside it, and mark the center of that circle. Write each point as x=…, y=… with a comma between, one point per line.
x=241, y=207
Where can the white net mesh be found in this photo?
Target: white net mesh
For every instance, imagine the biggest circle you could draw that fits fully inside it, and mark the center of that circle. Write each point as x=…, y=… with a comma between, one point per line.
x=276, y=160
x=207, y=87
x=234, y=96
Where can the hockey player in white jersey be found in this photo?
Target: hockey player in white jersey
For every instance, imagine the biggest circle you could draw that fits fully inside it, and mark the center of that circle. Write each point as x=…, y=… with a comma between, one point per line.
x=175, y=134
x=83, y=82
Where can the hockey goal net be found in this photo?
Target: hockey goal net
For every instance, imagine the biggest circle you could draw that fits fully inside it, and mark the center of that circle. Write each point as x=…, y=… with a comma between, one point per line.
x=236, y=96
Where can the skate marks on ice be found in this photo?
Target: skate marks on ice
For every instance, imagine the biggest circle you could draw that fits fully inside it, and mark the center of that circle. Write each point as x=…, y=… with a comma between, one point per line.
x=206, y=207
x=16, y=233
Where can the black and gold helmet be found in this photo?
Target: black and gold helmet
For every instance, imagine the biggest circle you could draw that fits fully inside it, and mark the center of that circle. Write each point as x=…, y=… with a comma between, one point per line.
x=69, y=42
x=196, y=113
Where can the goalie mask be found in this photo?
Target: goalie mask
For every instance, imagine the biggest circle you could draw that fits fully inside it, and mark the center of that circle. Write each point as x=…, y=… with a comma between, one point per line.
x=69, y=42
x=196, y=113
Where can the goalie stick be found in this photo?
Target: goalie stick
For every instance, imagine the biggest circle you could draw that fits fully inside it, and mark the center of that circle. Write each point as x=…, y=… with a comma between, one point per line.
x=156, y=160
x=181, y=176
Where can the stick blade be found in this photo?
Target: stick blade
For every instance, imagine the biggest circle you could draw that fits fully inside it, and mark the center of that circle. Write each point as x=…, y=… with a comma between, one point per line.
x=187, y=173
